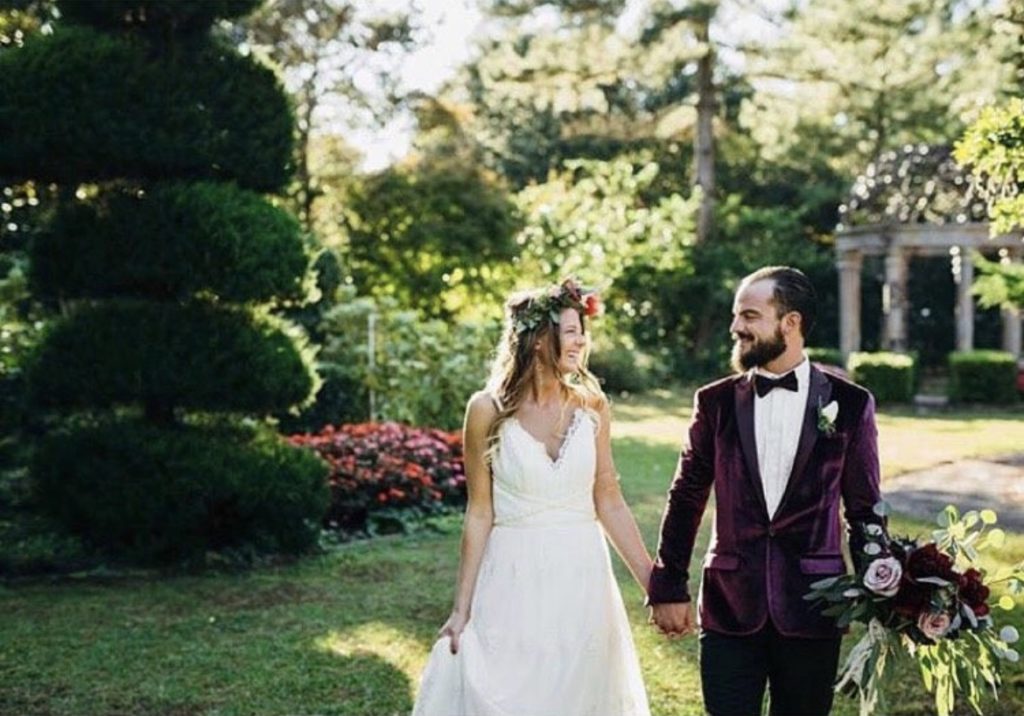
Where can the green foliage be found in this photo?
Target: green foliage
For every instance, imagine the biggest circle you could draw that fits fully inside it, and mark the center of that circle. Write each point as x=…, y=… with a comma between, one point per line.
x=889, y=376
x=154, y=15
x=200, y=111
x=594, y=219
x=430, y=237
x=424, y=371
x=622, y=367
x=159, y=495
x=982, y=377
x=198, y=356
x=826, y=356
x=993, y=147
x=999, y=283
x=681, y=312
x=840, y=97
x=171, y=242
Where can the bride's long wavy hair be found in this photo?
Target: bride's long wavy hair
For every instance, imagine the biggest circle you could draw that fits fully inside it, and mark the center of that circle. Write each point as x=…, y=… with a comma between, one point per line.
x=516, y=363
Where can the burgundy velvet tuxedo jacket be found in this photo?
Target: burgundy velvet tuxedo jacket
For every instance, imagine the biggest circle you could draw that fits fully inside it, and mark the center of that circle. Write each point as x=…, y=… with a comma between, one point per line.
x=759, y=568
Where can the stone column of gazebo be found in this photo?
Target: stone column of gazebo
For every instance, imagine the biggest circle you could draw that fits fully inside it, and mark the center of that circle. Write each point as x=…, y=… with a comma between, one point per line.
x=898, y=243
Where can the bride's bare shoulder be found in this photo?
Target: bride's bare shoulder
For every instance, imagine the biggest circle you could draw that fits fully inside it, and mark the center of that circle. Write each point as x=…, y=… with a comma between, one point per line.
x=482, y=409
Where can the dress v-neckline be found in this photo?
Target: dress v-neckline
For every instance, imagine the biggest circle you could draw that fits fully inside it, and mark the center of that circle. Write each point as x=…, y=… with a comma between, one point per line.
x=569, y=432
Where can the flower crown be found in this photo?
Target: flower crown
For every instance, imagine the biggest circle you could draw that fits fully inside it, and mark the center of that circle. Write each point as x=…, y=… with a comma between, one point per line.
x=534, y=308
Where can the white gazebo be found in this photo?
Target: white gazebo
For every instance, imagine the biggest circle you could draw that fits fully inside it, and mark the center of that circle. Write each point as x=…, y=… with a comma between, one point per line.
x=916, y=202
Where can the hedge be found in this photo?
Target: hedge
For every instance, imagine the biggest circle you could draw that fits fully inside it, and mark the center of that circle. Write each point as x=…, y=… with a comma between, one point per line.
x=889, y=376
x=982, y=376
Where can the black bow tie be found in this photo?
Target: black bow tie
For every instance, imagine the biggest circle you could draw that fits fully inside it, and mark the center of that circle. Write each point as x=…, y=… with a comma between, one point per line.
x=764, y=385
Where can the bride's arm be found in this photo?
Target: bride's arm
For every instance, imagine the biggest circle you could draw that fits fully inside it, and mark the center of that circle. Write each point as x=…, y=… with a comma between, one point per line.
x=612, y=510
x=479, y=517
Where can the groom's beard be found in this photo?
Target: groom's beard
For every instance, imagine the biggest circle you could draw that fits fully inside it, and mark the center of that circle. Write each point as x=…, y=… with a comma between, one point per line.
x=759, y=351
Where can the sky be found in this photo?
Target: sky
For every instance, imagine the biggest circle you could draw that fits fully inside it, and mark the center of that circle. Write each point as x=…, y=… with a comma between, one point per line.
x=453, y=25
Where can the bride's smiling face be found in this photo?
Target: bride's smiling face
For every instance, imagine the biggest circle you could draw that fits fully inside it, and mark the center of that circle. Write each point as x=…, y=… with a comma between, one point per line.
x=572, y=339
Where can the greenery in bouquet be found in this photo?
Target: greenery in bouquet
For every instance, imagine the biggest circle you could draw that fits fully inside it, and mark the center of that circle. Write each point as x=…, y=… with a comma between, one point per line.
x=927, y=600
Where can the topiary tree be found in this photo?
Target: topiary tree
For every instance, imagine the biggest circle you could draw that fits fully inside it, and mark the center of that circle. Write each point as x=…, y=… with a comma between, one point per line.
x=166, y=258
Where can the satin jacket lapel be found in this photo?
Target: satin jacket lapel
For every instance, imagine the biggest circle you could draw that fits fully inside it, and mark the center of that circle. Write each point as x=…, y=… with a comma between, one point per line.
x=818, y=393
x=744, y=397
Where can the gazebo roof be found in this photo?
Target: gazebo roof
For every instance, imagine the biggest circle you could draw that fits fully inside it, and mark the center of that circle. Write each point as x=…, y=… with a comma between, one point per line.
x=916, y=184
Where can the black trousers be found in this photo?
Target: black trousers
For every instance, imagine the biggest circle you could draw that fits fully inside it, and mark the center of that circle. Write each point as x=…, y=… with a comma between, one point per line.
x=798, y=673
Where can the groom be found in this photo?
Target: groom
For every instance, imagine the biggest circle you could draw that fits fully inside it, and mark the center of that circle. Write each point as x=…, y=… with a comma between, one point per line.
x=787, y=448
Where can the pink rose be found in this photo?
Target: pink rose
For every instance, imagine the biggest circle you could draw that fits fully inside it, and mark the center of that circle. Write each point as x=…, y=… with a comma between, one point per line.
x=933, y=625
x=883, y=576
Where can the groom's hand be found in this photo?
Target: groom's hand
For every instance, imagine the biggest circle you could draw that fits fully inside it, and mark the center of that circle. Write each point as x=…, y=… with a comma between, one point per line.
x=673, y=619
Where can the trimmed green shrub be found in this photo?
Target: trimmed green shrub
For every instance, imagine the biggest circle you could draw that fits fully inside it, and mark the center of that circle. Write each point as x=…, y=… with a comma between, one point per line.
x=198, y=356
x=982, y=377
x=172, y=241
x=182, y=15
x=201, y=112
x=343, y=398
x=159, y=495
x=889, y=376
x=827, y=356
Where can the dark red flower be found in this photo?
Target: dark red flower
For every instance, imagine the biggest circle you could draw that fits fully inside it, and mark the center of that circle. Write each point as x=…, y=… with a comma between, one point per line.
x=912, y=598
x=973, y=592
x=928, y=561
x=592, y=305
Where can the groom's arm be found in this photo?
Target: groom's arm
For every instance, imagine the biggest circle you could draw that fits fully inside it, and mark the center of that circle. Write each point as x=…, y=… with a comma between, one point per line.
x=861, y=479
x=687, y=498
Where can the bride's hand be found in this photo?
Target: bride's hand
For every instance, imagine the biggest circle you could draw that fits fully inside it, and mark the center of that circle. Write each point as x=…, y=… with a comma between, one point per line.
x=453, y=629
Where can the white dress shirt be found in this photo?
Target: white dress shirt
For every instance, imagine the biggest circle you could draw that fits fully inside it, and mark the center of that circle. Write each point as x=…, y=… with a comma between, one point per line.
x=778, y=420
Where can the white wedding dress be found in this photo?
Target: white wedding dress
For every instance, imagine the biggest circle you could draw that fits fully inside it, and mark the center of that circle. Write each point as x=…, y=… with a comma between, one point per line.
x=548, y=634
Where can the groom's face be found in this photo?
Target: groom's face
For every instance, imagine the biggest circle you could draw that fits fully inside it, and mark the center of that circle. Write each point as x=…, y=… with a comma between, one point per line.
x=756, y=329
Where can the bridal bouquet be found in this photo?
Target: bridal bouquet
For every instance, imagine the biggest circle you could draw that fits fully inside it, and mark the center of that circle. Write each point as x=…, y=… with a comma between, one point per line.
x=926, y=600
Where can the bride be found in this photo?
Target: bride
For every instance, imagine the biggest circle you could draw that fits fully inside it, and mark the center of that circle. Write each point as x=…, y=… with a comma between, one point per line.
x=538, y=626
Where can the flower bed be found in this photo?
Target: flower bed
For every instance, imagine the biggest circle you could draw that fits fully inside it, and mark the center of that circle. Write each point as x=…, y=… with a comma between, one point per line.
x=383, y=474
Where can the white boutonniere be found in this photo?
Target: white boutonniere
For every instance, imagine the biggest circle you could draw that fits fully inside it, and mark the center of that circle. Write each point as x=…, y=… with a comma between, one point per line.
x=827, y=417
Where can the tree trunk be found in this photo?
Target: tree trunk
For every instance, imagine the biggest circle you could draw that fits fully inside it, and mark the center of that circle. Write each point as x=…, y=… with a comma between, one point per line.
x=704, y=137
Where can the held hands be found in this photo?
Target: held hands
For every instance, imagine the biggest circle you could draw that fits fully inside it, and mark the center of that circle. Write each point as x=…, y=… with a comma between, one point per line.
x=673, y=619
x=453, y=629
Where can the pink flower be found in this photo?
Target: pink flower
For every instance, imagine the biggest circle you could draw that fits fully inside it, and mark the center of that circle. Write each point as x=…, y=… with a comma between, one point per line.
x=883, y=576
x=933, y=625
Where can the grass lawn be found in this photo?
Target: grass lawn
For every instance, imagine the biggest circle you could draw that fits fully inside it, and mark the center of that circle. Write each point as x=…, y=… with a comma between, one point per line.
x=348, y=632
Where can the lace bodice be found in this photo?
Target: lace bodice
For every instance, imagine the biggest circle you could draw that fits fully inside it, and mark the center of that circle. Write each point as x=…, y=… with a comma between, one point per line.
x=531, y=489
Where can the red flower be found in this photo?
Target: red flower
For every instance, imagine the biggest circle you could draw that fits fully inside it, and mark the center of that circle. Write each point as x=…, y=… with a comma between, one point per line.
x=592, y=305
x=973, y=592
x=928, y=561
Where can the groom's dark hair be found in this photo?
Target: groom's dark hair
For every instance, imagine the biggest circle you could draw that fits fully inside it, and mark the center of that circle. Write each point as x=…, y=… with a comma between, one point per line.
x=793, y=292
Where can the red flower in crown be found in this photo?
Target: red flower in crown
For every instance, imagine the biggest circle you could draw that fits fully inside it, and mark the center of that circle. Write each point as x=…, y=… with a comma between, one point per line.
x=592, y=305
